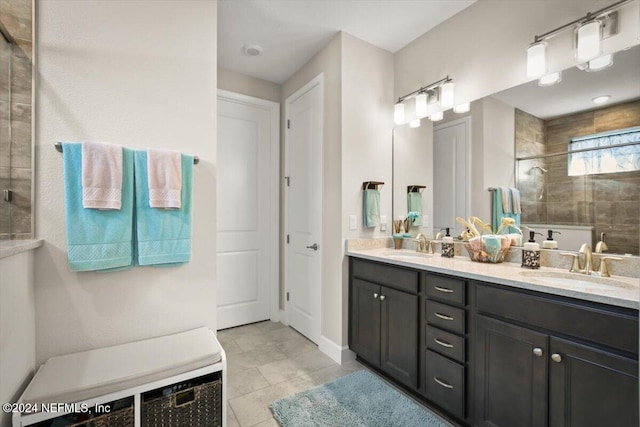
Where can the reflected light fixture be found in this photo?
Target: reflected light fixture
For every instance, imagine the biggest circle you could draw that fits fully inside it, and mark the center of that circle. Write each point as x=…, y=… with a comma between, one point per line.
x=601, y=99
x=414, y=123
x=550, y=79
x=398, y=113
x=537, y=59
x=436, y=116
x=589, y=41
x=462, y=108
x=600, y=63
x=421, y=104
x=446, y=95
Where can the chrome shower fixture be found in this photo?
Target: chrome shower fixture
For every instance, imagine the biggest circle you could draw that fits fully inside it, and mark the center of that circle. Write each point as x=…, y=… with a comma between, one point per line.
x=543, y=170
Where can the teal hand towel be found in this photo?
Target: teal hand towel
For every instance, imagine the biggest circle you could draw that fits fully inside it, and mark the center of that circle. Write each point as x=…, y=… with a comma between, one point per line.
x=163, y=235
x=371, y=208
x=414, y=204
x=498, y=211
x=97, y=239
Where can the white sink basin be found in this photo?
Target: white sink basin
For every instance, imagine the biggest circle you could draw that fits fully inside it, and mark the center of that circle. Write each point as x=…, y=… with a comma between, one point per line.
x=578, y=281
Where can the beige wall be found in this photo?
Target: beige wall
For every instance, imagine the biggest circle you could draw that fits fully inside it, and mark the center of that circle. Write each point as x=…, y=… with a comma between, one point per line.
x=141, y=74
x=328, y=62
x=17, y=328
x=247, y=85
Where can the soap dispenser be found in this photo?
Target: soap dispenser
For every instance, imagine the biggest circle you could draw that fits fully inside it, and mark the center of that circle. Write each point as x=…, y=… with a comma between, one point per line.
x=550, y=243
x=531, y=252
x=447, y=245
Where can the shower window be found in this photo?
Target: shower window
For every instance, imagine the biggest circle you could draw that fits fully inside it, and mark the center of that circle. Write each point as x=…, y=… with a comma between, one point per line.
x=610, y=152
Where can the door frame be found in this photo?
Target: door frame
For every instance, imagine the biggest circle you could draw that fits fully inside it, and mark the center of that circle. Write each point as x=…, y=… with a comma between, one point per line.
x=467, y=185
x=274, y=209
x=317, y=81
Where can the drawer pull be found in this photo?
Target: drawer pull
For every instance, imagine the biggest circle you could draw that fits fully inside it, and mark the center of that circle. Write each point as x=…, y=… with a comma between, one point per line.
x=382, y=297
x=556, y=357
x=442, y=343
x=375, y=295
x=445, y=290
x=443, y=316
x=442, y=383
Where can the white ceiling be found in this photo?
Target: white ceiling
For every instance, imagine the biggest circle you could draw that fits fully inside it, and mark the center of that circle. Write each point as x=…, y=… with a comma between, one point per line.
x=292, y=31
x=577, y=88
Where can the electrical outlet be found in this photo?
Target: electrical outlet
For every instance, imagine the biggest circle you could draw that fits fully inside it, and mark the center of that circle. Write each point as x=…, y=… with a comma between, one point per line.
x=383, y=223
x=353, y=222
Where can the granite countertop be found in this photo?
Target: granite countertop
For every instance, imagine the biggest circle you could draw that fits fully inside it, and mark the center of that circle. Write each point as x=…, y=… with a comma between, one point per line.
x=13, y=247
x=617, y=290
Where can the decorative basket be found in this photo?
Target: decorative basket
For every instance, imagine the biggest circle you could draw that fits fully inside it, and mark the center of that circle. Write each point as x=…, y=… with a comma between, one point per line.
x=481, y=251
x=120, y=415
x=194, y=403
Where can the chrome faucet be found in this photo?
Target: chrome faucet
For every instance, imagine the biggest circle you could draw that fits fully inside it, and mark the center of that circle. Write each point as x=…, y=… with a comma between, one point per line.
x=424, y=246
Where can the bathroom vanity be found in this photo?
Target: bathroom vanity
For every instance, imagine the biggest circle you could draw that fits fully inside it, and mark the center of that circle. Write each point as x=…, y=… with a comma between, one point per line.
x=491, y=346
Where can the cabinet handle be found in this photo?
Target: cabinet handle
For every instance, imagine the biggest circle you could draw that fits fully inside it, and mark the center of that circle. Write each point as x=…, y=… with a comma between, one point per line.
x=445, y=290
x=382, y=297
x=375, y=295
x=442, y=343
x=537, y=351
x=442, y=383
x=442, y=316
x=556, y=357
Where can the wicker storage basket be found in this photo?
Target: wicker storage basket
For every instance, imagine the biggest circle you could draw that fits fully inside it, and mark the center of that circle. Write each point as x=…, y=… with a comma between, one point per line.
x=197, y=403
x=121, y=415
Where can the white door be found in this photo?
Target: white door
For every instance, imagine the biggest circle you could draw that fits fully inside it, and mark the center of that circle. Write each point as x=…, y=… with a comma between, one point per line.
x=304, y=208
x=247, y=209
x=451, y=173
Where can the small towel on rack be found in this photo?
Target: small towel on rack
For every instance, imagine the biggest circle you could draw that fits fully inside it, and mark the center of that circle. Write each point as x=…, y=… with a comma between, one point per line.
x=515, y=201
x=414, y=204
x=506, y=199
x=498, y=212
x=97, y=240
x=164, y=174
x=163, y=235
x=371, y=208
x=101, y=175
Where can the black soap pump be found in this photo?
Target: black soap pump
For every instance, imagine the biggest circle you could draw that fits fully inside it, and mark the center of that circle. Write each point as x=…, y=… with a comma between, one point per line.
x=531, y=252
x=447, y=245
x=550, y=243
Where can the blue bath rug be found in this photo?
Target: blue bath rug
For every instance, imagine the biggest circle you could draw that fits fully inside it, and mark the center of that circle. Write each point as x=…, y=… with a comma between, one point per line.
x=357, y=400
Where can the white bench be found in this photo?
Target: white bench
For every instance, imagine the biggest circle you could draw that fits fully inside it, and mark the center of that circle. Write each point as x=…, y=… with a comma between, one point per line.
x=95, y=377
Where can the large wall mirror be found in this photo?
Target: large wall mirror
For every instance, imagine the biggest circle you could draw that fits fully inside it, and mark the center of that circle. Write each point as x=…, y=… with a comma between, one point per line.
x=553, y=143
x=16, y=142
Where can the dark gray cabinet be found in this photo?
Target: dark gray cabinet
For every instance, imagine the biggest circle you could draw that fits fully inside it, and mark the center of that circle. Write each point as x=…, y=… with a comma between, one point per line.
x=533, y=375
x=383, y=327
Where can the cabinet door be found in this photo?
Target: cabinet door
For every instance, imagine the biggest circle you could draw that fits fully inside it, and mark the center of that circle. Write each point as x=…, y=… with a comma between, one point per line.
x=511, y=375
x=399, y=351
x=365, y=321
x=590, y=387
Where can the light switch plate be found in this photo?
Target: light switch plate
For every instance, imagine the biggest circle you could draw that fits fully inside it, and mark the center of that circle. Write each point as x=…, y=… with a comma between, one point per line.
x=353, y=222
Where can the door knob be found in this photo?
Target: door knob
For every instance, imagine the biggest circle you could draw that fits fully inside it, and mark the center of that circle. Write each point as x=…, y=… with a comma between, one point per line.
x=537, y=351
x=382, y=297
x=556, y=357
x=375, y=295
x=314, y=247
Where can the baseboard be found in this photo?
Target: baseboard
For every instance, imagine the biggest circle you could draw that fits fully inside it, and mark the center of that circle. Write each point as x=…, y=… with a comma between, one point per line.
x=339, y=354
x=283, y=318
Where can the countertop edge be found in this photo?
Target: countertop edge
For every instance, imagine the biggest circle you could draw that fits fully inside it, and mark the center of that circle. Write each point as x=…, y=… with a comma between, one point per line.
x=10, y=248
x=520, y=284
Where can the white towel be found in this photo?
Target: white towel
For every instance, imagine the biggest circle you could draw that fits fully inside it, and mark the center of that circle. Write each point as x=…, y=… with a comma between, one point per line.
x=164, y=171
x=101, y=176
x=506, y=195
x=515, y=198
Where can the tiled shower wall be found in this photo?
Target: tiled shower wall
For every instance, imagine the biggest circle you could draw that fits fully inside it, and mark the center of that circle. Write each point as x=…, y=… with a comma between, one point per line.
x=15, y=119
x=610, y=202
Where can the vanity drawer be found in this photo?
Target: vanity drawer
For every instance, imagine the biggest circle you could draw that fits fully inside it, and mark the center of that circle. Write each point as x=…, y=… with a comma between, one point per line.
x=612, y=327
x=383, y=274
x=445, y=383
x=445, y=316
x=445, y=343
x=446, y=289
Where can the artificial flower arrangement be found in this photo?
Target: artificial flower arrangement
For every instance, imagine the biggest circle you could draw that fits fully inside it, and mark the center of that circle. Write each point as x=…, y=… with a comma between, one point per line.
x=485, y=245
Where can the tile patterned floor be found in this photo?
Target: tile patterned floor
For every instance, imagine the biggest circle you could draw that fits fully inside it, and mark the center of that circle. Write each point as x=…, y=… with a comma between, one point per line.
x=268, y=361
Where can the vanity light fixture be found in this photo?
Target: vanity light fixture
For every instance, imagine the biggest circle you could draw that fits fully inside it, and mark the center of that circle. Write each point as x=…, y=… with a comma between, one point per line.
x=436, y=116
x=589, y=31
x=600, y=63
x=462, y=108
x=550, y=79
x=398, y=113
x=414, y=123
x=441, y=90
x=601, y=99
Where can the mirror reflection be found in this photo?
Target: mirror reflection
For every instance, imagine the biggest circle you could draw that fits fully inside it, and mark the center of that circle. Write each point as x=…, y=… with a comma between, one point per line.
x=553, y=143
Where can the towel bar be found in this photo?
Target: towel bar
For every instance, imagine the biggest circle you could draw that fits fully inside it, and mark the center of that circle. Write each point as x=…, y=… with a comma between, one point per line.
x=415, y=188
x=58, y=146
x=368, y=184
